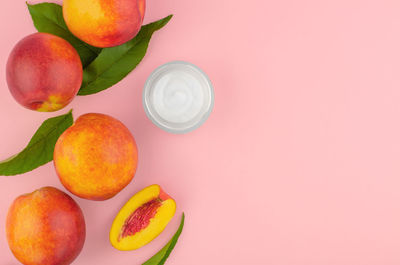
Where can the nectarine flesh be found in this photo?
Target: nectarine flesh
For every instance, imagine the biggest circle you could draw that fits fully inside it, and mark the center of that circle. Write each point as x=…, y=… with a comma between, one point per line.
x=142, y=218
x=44, y=72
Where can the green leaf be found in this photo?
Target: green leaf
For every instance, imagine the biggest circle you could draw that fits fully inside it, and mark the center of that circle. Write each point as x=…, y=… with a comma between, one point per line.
x=40, y=149
x=48, y=17
x=113, y=64
x=163, y=254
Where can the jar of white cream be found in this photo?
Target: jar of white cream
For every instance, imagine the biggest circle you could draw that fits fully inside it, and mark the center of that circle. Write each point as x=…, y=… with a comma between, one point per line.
x=178, y=97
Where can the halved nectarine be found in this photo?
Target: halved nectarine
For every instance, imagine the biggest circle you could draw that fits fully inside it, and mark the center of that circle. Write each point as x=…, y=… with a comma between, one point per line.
x=142, y=218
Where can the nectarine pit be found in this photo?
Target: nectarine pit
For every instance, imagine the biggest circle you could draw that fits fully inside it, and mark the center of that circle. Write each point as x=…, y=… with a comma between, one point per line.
x=140, y=218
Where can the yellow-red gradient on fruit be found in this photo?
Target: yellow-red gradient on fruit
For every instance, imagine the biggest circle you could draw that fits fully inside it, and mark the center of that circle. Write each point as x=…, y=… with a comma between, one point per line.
x=45, y=227
x=96, y=157
x=142, y=218
x=104, y=23
x=44, y=72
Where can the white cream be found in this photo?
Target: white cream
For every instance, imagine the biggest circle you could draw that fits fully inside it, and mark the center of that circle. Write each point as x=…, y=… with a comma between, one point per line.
x=178, y=97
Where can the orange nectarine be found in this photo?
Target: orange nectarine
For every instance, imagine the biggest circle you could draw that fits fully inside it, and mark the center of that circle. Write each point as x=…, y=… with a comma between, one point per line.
x=96, y=157
x=45, y=227
x=104, y=23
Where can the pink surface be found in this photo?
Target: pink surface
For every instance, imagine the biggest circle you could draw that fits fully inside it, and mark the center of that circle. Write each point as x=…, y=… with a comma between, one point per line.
x=297, y=165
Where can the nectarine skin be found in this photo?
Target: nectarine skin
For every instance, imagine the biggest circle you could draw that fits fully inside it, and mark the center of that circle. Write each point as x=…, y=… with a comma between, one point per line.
x=96, y=157
x=45, y=227
x=142, y=218
x=44, y=72
x=104, y=23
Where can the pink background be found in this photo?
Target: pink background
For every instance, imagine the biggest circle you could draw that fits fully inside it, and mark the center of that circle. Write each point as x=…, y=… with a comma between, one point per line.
x=297, y=165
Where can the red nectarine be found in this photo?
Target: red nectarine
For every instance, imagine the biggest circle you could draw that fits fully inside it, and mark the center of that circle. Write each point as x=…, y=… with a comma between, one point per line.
x=44, y=72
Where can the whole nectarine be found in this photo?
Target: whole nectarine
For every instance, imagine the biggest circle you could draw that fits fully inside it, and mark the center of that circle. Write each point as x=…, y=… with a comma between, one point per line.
x=44, y=72
x=96, y=157
x=45, y=227
x=104, y=23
